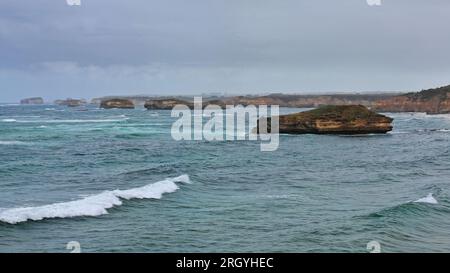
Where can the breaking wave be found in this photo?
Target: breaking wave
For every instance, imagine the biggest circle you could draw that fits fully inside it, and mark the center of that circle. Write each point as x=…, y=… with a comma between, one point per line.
x=9, y=120
x=2, y=142
x=67, y=120
x=418, y=207
x=429, y=199
x=94, y=205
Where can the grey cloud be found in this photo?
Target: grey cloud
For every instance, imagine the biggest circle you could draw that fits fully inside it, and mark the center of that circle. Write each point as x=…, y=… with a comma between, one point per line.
x=173, y=46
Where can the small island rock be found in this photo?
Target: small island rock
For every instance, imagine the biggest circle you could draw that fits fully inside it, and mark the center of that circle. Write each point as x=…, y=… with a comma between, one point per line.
x=71, y=102
x=33, y=101
x=348, y=119
x=117, y=103
x=166, y=104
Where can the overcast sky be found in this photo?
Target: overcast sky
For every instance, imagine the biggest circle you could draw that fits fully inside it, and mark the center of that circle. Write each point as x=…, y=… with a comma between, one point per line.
x=125, y=47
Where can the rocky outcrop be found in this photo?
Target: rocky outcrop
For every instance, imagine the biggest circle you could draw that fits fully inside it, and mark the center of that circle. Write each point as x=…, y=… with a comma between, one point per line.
x=117, y=103
x=32, y=101
x=283, y=100
x=166, y=104
x=349, y=119
x=431, y=101
x=307, y=101
x=136, y=100
x=71, y=102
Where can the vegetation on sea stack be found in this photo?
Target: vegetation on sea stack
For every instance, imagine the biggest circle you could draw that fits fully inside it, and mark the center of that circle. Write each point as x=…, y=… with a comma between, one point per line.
x=334, y=119
x=117, y=103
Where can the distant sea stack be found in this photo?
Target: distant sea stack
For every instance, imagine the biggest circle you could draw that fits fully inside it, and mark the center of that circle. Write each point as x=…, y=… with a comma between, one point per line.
x=117, y=103
x=348, y=119
x=71, y=102
x=431, y=101
x=32, y=101
x=166, y=104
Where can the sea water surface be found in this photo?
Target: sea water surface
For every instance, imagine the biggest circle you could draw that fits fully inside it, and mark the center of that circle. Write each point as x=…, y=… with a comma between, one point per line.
x=116, y=181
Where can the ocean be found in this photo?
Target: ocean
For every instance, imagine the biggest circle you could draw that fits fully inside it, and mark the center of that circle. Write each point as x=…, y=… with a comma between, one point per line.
x=116, y=181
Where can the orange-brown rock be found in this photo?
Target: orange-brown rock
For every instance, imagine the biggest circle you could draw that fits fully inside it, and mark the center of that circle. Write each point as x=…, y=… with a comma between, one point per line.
x=166, y=104
x=117, y=103
x=307, y=101
x=432, y=101
x=71, y=102
x=349, y=119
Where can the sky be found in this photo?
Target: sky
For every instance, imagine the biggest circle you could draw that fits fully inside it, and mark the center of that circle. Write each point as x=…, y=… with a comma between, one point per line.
x=172, y=47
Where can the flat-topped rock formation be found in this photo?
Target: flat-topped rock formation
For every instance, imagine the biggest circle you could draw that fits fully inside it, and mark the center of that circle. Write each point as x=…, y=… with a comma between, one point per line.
x=117, y=103
x=136, y=100
x=307, y=101
x=349, y=119
x=283, y=100
x=166, y=104
x=32, y=101
x=431, y=101
x=71, y=102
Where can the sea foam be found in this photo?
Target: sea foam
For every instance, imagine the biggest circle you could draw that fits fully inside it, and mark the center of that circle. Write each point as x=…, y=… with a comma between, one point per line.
x=94, y=205
x=9, y=120
x=429, y=199
x=67, y=120
x=12, y=142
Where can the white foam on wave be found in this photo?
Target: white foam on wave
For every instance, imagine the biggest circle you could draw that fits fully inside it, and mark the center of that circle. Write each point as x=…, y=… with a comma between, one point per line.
x=429, y=199
x=13, y=142
x=417, y=115
x=94, y=205
x=9, y=120
x=67, y=120
x=442, y=116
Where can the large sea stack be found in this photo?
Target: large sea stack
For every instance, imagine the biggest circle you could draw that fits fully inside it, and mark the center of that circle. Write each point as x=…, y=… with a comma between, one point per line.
x=348, y=119
x=117, y=103
x=33, y=101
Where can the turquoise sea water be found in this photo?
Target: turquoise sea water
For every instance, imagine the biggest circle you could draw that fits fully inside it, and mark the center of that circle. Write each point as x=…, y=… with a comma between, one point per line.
x=146, y=192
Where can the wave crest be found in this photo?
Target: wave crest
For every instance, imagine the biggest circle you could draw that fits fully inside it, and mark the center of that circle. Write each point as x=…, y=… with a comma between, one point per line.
x=429, y=199
x=417, y=208
x=94, y=205
x=13, y=142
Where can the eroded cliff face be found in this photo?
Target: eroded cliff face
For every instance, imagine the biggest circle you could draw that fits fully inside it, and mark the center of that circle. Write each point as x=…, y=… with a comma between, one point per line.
x=117, y=103
x=71, y=102
x=32, y=101
x=349, y=119
x=166, y=104
x=432, y=101
x=307, y=101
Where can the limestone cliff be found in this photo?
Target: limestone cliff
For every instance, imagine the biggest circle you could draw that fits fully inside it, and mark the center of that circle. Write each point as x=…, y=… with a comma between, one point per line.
x=349, y=119
x=117, y=103
x=431, y=101
x=35, y=101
